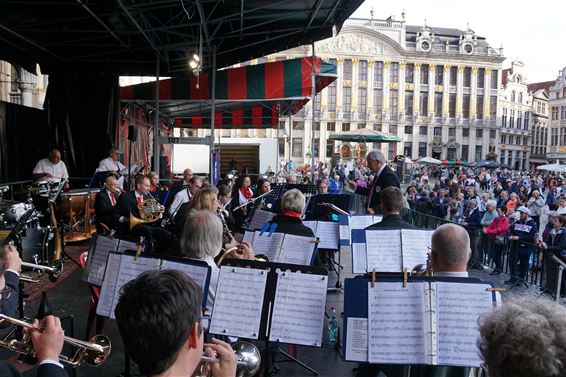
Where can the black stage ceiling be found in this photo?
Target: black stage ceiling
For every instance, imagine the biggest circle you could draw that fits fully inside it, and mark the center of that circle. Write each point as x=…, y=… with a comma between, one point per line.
x=125, y=36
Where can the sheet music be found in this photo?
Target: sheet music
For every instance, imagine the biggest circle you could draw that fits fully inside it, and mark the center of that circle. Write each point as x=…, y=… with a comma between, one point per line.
x=345, y=233
x=298, y=308
x=248, y=237
x=297, y=250
x=260, y=218
x=199, y=273
x=327, y=233
x=360, y=222
x=126, y=245
x=396, y=323
x=415, y=245
x=359, y=258
x=239, y=302
x=268, y=245
x=312, y=225
x=108, y=290
x=129, y=270
x=458, y=308
x=103, y=246
x=357, y=340
x=383, y=250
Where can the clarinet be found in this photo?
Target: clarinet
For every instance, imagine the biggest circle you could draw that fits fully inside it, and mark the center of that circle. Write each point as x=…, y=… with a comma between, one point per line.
x=226, y=233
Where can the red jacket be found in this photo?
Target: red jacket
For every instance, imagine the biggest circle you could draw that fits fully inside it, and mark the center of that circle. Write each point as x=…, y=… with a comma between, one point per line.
x=498, y=227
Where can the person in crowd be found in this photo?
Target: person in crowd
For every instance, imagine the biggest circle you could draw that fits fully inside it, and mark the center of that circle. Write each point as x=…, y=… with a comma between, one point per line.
x=535, y=206
x=503, y=198
x=554, y=243
x=185, y=195
x=473, y=223
x=384, y=177
x=512, y=202
x=424, y=209
x=497, y=232
x=524, y=338
x=242, y=194
x=321, y=186
x=111, y=165
x=440, y=205
x=551, y=198
x=159, y=319
x=561, y=205
x=105, y=206
x=456, y=207
x=391, y=206
x=523, y=235
x=411, y=197
x=335, y=186
x=487, y=218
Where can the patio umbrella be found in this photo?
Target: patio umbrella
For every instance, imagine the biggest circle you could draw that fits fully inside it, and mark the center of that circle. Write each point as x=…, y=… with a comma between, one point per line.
x=429, y=160
x=553, y=167
x=486, y=164
x=365, y=135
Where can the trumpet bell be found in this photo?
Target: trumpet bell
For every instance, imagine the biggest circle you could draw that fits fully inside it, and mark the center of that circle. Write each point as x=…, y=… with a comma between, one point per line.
x=249, y=359
x=95, y=359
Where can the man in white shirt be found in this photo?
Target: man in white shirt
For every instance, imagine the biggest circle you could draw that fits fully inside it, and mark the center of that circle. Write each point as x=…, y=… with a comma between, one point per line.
x=112, y=165
x=185, y=195
x=52, y=168
x=187, y=175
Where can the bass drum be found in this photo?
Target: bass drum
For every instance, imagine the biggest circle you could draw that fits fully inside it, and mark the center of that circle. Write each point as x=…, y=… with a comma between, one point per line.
x=38, y=245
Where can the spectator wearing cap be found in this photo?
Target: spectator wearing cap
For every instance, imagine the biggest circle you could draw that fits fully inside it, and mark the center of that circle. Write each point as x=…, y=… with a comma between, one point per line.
x=523, y=235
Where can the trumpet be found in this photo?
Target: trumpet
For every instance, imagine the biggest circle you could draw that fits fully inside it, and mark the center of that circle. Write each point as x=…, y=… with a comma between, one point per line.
x=248, y=358
x=54, y=271
x=94, y=352
x=238, y=250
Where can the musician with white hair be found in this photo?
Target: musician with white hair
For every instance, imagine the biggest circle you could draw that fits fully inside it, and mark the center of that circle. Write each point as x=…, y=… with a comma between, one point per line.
x=383, y=177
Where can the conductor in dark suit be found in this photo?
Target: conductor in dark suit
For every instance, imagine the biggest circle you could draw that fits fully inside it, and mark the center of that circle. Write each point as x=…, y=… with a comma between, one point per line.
x=391, y=205
x=128, y=204
x=105, y=205
x=383, y=177
x=49, y=343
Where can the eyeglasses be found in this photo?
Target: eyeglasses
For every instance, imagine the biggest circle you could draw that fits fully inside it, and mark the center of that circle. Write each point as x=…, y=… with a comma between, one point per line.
x=5, y=293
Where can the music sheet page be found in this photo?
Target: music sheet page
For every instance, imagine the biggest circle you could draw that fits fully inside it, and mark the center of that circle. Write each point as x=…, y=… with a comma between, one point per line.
x=268, y=245
x=260, y=218
x=396, y=323
x=239, y=302
x=248, y=237
x=357, y=340
x=458, y=308
x=345, y=233
x=415, y=246
x=129, y=270
x=328, y=234
x=199, y=273
x=383, y=250
x=360, y=222
x=104, y=245
x=359, y=258
x=126, y=245
x=112, y=269
x=297, y=249
x=312, y=225
x=298, y=309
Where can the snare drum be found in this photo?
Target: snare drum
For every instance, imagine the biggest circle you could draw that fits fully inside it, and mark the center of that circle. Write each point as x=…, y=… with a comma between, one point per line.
x=16, y=211
x=38, y=245
x=41, y=187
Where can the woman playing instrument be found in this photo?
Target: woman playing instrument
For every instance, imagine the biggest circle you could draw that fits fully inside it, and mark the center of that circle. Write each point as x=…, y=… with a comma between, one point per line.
x=242, y=194
x=206, y=199
x=154, y=182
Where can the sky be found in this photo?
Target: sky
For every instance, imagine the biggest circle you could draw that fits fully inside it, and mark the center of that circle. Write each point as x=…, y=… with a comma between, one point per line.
x=533, y=32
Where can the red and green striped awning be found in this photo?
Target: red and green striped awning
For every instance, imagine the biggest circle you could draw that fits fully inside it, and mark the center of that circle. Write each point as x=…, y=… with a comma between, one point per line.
x=251, y=96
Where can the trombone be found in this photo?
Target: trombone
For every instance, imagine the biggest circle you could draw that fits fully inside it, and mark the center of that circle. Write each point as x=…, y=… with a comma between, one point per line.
x=94, y=352
x=54, y=271
x=247, y=355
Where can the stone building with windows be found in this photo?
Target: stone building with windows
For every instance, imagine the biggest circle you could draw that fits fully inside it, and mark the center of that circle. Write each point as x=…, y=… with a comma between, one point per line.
x=22, y=87
x=557, y=119
x=436, y=88
x=539, y=123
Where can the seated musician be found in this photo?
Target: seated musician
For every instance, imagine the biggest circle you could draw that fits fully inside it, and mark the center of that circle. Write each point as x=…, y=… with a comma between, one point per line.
x=105, y=206
x=49, y=343
x=51, y=169
x=202, y=240
x=154, y=182
x=206, y=199
x=267, y=200
x=524, y=338
x=391, y=205
x=292, y=179
x=241, y=195
x=112, y=165
x=224, y=201
x=321, y=186
x=187, y=175
x=289, y=221
x=159, y=318
x=129, y=203
x=185, y=195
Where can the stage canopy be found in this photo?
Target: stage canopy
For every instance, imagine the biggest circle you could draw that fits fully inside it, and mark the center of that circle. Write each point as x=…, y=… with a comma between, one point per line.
x=128, y=37
x=252, y=96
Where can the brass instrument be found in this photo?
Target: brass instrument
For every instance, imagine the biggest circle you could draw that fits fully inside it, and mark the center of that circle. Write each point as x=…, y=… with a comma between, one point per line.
x=53, y=271
x=94, y=352
x=238, y=250
x=150, y=212
x=248, y=359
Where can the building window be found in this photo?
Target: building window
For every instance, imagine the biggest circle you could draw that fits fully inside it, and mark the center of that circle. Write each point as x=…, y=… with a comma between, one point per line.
x=408, y=149
x=512, y=119
x=451, y=154
x=317, y=103
x=376, y=146
x=478, y=152
x=520, y=98
x=423, y=130
x=465, y=132
x=408, y=130
x=513, y=96
x=466, y=105
x=298, y=125
x=452, y=105
x=465, y=155
x=437, y=131
x=378, y=72
x=394, y=72
x=362, y=101
x=438, y=105
x=519, y=119
x=492, y=134
x=347, y=75
x=377, y=127
x=479, y=107
x=492, y=106
x=526, y=122
x=481, y=78
x=493, y=82
x=424, y=74
x=317, y=126
x=409, y=103
x=438, y=75
x=393, y=130
x=452, y=132
x=453, y=76
x=391, y=150
x=281, y=147
x=378, y=101
x=479, y=133
x=422, y=149
x=297, y=147
x=467, y=77
x=329, y=148
x=409, y=73
x=504, y=118
x=316, y=147
x=345, y=127
x=393, y=103
x=424, y=103
x=332, y=97
x=330, y=126
x=363, y=70
x=347, y=101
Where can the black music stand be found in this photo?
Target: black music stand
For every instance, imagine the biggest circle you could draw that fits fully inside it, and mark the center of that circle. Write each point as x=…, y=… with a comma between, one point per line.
x=98, y=178
x=320, y=209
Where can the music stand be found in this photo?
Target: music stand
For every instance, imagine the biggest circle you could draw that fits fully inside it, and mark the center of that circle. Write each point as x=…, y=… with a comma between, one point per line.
x=98, y=178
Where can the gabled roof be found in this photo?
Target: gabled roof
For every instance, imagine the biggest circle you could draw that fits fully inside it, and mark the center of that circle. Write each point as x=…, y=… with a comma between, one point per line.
x=536, y=86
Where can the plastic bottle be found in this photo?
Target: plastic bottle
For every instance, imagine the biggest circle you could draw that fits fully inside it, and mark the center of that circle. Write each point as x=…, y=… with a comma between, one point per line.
x=332, y=327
